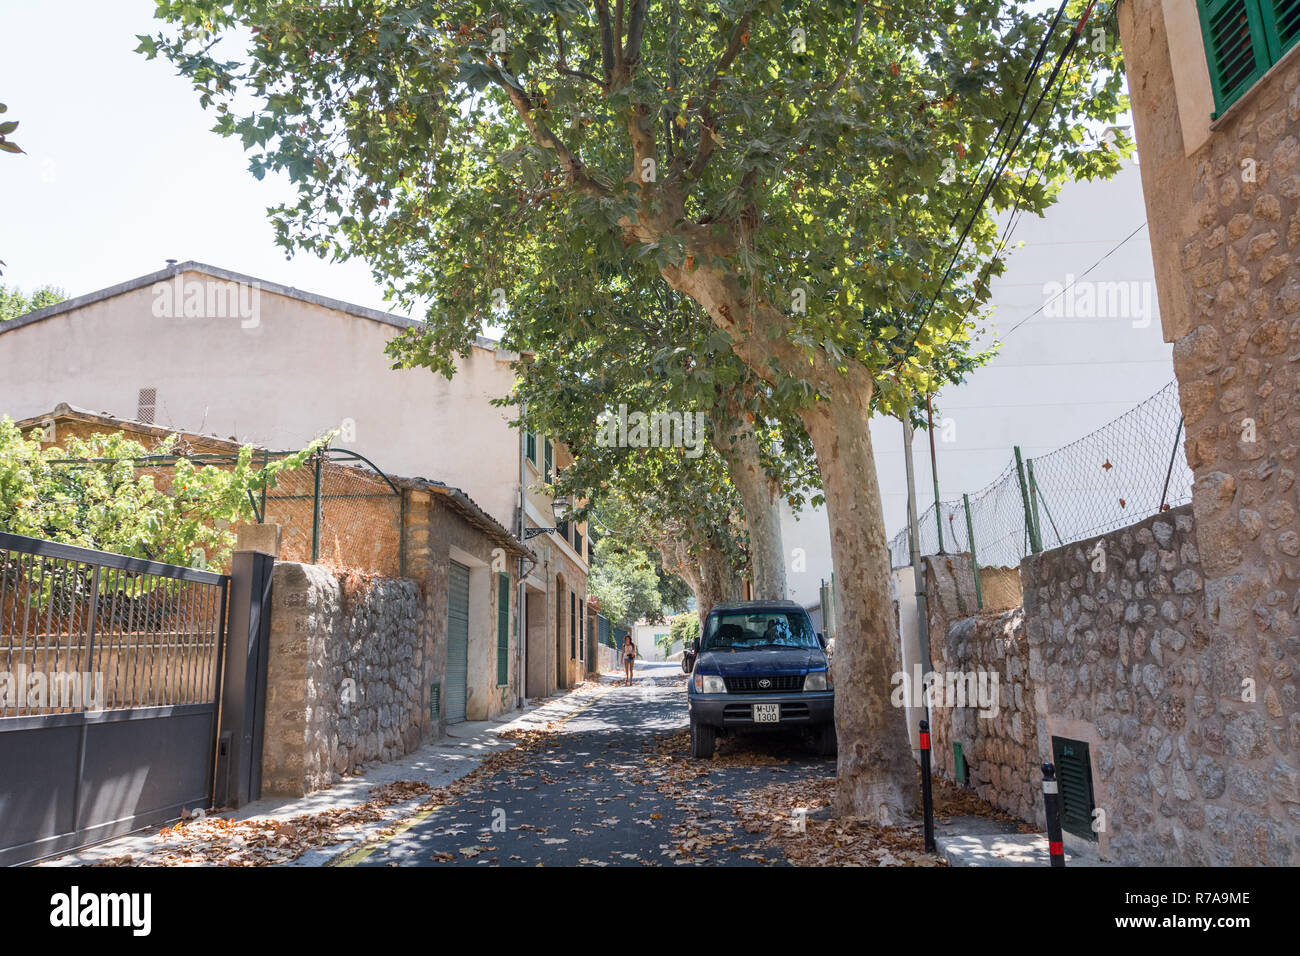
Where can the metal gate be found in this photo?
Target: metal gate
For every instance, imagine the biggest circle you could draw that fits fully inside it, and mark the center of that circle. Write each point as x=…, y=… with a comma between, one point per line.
x=108, y=694
x=457, y=641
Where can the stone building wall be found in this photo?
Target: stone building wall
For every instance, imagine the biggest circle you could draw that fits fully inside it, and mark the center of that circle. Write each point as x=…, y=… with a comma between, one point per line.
x=345, y=676
x=1223, y=203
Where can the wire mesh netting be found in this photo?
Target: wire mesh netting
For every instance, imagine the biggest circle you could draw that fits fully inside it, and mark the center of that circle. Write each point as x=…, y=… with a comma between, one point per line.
x=336, y=509
x=1127, y=470
x=360, y=520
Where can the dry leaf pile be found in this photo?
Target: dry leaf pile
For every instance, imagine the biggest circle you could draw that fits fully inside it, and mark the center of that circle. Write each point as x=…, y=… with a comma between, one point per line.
x=213, y=840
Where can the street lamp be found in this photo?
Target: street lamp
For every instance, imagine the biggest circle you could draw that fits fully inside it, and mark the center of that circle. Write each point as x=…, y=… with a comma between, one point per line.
x=560, y=508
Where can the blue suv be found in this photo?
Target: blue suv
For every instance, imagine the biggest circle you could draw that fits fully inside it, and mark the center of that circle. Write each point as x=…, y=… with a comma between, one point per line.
x=756, y=666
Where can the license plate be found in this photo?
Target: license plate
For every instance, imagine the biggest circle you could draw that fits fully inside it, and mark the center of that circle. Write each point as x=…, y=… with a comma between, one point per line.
x=767, y=713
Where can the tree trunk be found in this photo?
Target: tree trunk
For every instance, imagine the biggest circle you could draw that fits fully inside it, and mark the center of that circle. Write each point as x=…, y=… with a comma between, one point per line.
x=718, y=581
x=876, y=776
x=738, y=446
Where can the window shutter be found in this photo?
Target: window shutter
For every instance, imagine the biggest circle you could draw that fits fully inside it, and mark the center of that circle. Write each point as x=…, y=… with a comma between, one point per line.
x=573, y=632
x=1074, y=775
x=1236, y=45
x=1281, y=19
x=503, y=628
x=550, y=459
x=530, y=446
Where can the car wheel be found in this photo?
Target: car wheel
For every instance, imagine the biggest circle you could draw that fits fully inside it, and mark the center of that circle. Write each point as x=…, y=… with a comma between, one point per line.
x=702, y=739
x=824, y=740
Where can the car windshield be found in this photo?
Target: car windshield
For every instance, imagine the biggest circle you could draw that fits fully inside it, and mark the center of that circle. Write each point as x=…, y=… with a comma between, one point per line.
x=738, y=630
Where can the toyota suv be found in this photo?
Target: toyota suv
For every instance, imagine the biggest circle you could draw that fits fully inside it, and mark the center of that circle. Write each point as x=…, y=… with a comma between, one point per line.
x=759, y=665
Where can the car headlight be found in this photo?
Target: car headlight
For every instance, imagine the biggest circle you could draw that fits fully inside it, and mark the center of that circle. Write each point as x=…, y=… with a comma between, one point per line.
x=709, y=684
x=818, y=680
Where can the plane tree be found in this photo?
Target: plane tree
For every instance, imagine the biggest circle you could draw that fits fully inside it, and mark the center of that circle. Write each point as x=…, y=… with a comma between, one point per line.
x=822, y=178
x=645, y=350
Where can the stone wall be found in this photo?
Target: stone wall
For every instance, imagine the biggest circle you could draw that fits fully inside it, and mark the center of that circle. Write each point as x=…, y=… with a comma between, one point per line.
x=1122, y=658
x=344, y=685
x=1000, y=744
x=1224, y=213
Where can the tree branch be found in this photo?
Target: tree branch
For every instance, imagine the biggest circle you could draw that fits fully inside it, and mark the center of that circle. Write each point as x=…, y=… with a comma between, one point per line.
x=708, y=122
x=606, y=42
x=543, y=136
x=635, y=31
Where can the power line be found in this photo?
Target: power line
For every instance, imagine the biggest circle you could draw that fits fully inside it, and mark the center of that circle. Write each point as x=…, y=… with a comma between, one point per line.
x=1113, y=249
x=1009, y=150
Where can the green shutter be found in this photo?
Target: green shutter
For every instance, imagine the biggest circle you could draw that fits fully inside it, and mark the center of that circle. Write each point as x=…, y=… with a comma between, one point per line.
x=530, y=446
x=1236, y=46
x=456, y=690
x=503, y=629
x=550, y=460
x=1281, y=19
x=1074, y=776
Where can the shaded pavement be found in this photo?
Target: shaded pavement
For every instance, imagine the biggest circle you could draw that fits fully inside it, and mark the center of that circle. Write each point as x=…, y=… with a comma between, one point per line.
x=613, y=785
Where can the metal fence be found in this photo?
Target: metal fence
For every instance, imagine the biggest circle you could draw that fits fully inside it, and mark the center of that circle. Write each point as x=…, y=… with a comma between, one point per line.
x=81, y=631
x=338, y=508
x=1127, y=470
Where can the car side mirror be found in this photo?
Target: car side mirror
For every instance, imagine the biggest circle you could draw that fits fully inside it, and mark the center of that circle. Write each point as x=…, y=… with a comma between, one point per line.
x=695, y=646
x=821, y=639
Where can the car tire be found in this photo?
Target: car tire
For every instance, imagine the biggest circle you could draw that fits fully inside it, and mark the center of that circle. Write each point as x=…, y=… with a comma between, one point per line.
x=702, y=739
x=824, y=741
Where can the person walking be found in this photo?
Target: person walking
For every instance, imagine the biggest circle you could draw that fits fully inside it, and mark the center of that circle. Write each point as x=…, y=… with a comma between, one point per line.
x=629, y=657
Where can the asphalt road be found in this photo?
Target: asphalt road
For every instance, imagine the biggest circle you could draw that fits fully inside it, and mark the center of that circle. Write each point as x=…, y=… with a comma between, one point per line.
x=613, y=786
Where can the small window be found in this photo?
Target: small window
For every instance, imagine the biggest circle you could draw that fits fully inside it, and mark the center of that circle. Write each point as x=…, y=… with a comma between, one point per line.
x=147, y=406
x=1243, y=39
x=530, y=446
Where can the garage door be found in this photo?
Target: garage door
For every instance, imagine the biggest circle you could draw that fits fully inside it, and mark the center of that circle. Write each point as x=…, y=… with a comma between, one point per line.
x=457, y=641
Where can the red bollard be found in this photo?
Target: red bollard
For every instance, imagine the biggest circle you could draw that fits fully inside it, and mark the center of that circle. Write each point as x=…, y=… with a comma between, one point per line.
x=927, y=798
x=1052, y=809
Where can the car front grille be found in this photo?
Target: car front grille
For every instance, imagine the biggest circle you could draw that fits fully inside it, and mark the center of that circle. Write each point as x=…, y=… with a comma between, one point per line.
x=783, y=684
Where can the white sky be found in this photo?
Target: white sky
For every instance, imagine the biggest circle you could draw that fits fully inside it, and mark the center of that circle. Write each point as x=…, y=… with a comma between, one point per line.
x=122, y=171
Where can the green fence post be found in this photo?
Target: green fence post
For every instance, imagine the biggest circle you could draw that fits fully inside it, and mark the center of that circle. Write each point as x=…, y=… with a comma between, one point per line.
x=934, y=470
x=1173, y=455
x=1035, y=544
x=316, y=513
x=266, y=460
x=1038, y=496
x=970, y=536
x=1033, y=502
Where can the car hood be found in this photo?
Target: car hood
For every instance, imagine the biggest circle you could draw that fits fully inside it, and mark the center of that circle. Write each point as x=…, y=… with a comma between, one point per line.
x=765, y=660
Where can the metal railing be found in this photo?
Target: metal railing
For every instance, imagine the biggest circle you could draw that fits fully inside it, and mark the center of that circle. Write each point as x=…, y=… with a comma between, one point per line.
x=82, y=630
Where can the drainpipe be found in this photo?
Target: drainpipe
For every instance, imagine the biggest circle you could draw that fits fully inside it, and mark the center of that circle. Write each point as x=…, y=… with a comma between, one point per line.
x=521, y=625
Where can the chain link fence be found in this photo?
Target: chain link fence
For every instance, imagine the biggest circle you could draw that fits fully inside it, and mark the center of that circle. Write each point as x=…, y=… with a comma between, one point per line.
x=1127, y=470
x=338, y=508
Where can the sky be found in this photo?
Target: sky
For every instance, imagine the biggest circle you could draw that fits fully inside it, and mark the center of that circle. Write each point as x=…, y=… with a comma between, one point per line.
x=122, y=171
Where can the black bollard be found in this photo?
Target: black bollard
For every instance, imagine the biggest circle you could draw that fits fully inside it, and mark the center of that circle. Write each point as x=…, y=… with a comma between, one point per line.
x=927, y=798
x=1052, y=806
